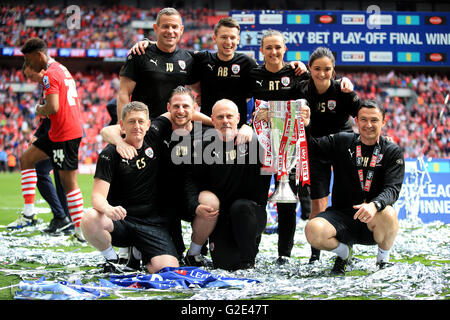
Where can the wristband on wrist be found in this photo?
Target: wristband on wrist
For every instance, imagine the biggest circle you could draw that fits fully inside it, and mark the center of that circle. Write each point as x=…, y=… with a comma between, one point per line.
x=378, y=205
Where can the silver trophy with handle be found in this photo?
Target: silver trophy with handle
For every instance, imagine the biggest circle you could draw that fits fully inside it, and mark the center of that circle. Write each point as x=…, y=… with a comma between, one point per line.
x=282, y=115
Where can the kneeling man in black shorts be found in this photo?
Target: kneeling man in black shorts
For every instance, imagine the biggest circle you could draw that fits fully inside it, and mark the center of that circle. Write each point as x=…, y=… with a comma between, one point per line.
x=124, y=210
x=368, y=175
x=228, y=178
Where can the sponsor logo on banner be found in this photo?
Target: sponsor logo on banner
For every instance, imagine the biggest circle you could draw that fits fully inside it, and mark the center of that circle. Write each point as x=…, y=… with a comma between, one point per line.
x=52, y=52
x=353, y=56
x=94, y=53
x=122, y=53
x=408, y=56
x=297, y=56
x=77, y=53
x=17, y=52
x=64, y=52
x=298, y=19
x=7, y=51
x=436, y=57
x=245, y=18
x=380, y=19
x=271, y=19
x=353, y=19
x=326, y=19
x=380, y=56
x=436, y=20
x=404, y=20
x=106, y=53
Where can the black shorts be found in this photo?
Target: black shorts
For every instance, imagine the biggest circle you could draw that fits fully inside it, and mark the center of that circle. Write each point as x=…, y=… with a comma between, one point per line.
x=348, y=230
x=63, y=154
x=149, y=235
x=320, y=170
x=236, y=237
x=178, y=211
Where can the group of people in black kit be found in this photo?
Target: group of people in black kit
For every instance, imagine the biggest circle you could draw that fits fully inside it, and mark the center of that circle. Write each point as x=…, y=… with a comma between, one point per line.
x=168, y=162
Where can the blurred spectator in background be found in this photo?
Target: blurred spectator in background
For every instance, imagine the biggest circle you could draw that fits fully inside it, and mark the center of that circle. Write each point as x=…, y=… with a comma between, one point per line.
x=3, y=159
x=12, y=161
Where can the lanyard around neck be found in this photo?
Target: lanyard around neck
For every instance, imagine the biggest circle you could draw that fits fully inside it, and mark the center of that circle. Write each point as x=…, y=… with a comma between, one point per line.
x=365, y=185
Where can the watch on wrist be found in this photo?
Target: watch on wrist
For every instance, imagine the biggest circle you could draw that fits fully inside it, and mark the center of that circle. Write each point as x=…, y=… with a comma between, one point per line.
x=377, y=205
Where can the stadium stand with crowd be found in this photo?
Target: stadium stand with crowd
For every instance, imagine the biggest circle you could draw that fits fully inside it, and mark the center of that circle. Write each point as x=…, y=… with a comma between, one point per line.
x=418, y=121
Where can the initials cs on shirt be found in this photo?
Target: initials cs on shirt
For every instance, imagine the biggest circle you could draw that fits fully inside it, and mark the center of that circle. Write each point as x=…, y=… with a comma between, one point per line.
x=140, y=163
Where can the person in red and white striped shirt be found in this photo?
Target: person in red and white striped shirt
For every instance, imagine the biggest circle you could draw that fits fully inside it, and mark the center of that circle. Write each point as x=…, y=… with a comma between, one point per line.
x=63, y=139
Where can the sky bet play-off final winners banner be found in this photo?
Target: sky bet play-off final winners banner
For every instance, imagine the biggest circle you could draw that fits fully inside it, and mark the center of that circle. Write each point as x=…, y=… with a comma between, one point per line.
x=372, y=38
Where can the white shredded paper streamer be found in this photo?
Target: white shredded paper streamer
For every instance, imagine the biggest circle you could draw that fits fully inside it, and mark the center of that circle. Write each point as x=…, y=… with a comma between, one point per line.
x=296, y=279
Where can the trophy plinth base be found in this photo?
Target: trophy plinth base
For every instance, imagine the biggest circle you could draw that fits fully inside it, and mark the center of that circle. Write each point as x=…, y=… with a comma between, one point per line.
x=283, y=193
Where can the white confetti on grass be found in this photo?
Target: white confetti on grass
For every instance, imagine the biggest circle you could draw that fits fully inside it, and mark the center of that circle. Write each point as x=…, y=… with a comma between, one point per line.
x=421, y=271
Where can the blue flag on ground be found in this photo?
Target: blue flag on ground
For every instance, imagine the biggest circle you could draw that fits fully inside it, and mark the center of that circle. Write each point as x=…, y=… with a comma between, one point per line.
x=184, y=277
x=62, y=290
x=167, y=278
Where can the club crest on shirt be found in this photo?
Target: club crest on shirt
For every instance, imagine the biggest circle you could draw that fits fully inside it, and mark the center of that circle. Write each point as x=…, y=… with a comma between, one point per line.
x=331, y=104
x=285, y=81
x=46, y=82
x=149, y=152
x=235, y=68
x=379, y=158
x=182, y=64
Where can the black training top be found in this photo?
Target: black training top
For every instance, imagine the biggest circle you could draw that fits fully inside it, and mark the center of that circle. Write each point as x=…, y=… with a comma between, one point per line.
x=156, y=74
x=275, y=86
x=330, y=111
x=223, y=80
x=230, y=171
x=388, y=175
x=132, y=182
x=178, y=152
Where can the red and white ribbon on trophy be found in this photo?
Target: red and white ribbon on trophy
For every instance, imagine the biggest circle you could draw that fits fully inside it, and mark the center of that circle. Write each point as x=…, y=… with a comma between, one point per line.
x=282, y=152
x=298, y=139
x=301, y=148
x=262, y=129
x=302, y=170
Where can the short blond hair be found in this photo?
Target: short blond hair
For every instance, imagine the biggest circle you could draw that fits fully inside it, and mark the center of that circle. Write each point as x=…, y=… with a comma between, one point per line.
x=135, y=106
